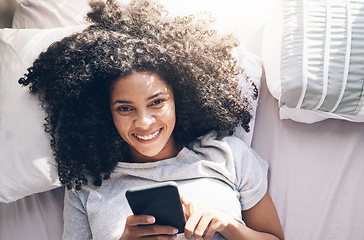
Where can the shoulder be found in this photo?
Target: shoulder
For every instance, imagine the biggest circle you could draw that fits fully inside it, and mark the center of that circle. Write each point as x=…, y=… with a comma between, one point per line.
x=215, y=142
x=230, y=149
x=227, y=149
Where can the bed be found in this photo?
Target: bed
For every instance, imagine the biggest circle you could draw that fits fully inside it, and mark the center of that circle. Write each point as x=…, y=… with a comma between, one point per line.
x=305, y=56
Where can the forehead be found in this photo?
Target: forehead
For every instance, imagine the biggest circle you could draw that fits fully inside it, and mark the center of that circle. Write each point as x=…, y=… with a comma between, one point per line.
x=140, y=83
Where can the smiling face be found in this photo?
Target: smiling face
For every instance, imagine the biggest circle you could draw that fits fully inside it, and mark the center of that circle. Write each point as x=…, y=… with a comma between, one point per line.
x=143, y=110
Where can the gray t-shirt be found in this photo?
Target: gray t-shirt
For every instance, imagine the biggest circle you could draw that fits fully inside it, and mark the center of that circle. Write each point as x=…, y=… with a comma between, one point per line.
x=221, y=173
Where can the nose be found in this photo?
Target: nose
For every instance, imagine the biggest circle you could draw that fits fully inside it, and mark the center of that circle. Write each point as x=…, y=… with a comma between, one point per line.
x=144, y=120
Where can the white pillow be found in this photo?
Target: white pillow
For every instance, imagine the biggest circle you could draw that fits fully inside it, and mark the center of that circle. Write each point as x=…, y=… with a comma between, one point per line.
x=244, y=18
x=24, y=146
x=50, y=14
x=253, y=71
x=313, y=54
x=26, y=162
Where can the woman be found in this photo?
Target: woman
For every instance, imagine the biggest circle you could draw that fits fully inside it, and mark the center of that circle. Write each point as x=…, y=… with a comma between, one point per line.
x=140, y=97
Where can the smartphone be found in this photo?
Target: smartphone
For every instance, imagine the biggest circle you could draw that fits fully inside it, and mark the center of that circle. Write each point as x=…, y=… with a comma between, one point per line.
x=161, y=201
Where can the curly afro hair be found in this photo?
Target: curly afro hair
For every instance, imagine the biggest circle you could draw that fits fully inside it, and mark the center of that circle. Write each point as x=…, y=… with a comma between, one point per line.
x=73, y=78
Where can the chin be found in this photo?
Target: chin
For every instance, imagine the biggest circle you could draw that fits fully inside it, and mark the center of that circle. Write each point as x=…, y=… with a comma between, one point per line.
x=151, y=154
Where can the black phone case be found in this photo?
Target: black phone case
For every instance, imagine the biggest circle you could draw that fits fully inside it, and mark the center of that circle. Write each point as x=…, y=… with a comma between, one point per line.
x=161, y=201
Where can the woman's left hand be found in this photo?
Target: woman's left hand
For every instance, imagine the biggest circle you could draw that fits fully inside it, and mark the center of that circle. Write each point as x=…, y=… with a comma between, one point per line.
x=202, y=222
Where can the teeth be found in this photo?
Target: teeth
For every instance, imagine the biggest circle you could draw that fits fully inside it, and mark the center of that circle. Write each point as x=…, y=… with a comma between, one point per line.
x=147, y=137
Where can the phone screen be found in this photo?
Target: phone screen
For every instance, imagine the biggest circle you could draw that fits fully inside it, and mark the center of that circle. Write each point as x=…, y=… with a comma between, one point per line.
x=160, y=200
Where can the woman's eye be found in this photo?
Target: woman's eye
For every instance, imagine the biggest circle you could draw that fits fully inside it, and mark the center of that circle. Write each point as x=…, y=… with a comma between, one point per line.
x=124, y=109
x=157, y=102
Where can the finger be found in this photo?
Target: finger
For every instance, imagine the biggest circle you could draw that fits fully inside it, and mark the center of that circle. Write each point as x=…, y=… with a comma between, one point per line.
x=202, y=226
x=191, y=225
x=211, y=229
x=156, y=230
x=135, y=220
x=161, y=237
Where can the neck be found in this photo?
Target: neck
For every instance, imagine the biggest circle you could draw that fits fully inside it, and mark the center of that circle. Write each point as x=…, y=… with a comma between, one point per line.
x=171, y=150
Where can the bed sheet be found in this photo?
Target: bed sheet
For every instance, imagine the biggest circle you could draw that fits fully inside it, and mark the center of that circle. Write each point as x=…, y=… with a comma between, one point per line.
x=315, y=179
x=36, y=217
x=316, y=173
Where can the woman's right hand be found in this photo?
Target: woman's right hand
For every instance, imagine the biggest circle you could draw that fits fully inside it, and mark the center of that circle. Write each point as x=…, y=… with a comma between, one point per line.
x=143, y=227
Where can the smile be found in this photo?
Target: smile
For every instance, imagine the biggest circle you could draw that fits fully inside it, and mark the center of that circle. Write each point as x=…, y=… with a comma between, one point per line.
x=149, y=136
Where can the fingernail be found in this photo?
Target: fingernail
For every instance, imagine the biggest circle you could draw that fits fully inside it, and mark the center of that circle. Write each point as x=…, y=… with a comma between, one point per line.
x=175, y=230
x=151, y=219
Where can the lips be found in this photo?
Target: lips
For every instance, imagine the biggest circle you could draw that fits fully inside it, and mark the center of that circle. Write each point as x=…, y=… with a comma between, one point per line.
x=147, y=136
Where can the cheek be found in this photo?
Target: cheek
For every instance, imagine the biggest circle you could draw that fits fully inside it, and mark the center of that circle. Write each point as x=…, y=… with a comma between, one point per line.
x=172, y=118
x=120, y=124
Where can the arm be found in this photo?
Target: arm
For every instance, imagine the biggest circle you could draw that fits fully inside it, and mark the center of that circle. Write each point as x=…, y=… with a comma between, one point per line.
x=262, y=222
x=263, y=217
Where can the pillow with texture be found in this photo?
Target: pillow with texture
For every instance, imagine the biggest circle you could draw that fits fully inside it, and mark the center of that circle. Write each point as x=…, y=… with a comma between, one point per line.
x=27, y=165
x=313, y=53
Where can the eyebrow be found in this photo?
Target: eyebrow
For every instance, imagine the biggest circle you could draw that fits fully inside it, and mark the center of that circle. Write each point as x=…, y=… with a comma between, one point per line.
x=149, y=98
